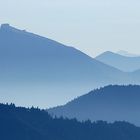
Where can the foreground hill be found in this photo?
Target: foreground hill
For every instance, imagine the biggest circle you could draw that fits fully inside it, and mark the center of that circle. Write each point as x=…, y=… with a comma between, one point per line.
x=18, y=123
x=111, y=103
x=35, y=66
x=124, y=63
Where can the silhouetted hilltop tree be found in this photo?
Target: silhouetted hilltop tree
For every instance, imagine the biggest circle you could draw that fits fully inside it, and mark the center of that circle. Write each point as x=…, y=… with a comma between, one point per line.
x=19, y=123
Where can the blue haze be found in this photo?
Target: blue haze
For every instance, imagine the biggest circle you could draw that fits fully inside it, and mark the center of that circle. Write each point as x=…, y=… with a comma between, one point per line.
x=39, y=71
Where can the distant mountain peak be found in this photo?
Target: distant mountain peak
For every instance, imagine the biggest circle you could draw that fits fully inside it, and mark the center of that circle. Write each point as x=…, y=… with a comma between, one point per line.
x=5, y=26
x=107, y=53
x=8, y=27
x=120, y=61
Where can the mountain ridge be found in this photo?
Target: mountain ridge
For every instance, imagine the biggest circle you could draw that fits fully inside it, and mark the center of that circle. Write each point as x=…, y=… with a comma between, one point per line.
x=110, y=103
x=124, y=63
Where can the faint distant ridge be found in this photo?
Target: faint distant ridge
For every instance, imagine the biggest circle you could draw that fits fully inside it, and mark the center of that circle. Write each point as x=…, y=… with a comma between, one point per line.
x=124, y=63
x=125, y=53
x=110, y=103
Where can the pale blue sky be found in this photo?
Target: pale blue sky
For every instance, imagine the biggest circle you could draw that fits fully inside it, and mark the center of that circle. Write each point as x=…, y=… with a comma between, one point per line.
x=92, y=26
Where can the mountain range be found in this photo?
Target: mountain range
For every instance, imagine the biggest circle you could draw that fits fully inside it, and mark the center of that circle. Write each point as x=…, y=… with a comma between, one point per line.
x=38, y=71
x=121, y=62
x=111, y=103
x=36, y=67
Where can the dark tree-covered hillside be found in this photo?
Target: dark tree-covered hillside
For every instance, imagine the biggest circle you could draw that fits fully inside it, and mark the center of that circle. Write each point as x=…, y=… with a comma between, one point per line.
x=110, y=103
x=18, y=123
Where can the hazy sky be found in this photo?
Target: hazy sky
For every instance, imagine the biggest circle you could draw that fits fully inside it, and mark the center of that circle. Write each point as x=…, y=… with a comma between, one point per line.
x=92, y=26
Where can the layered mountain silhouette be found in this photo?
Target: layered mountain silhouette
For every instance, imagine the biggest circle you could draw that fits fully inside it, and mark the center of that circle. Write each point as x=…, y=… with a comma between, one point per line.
x=36, y=67
x=111, y=103
x=18, y=123
x=125, y=53
x=124, y=63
